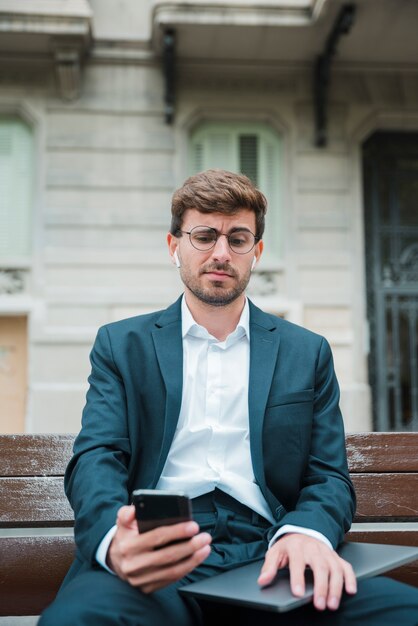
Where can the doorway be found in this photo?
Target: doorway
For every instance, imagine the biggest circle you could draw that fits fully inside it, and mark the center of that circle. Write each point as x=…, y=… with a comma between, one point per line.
x=390, y=178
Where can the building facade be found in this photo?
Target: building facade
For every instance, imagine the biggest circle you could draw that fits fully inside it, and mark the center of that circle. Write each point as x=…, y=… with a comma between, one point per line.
x=106, y=107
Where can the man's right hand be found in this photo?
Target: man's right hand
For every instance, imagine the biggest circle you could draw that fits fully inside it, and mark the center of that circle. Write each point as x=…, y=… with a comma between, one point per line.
x=146, y=561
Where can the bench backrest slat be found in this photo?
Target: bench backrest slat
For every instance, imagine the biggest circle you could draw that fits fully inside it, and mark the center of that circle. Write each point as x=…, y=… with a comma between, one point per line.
x=394, y=497
x=34, y=455
x=382, y=452
x=37, y=502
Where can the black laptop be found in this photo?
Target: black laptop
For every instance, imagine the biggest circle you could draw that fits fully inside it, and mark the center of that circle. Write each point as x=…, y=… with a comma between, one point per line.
x=239, y=586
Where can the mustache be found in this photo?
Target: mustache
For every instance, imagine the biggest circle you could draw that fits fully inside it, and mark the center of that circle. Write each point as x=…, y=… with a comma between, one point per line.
x=219, y=267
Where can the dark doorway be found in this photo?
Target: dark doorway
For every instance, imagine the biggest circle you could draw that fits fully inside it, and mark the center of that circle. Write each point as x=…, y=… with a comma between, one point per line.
x=390, y=171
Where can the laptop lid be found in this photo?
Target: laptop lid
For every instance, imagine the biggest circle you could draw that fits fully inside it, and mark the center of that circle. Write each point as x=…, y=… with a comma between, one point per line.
x=239, y=586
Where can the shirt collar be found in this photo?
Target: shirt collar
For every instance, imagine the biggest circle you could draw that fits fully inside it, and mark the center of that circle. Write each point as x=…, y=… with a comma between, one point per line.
x=190, y=327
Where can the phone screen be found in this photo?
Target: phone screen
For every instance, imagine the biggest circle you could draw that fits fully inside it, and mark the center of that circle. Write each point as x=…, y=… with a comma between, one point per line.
x=157, y=508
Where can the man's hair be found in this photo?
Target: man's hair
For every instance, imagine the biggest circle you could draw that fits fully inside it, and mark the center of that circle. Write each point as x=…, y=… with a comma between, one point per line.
x=218, y=191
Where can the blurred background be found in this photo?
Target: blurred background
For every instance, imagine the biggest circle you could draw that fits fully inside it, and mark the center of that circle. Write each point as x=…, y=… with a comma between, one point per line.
x=107, y=105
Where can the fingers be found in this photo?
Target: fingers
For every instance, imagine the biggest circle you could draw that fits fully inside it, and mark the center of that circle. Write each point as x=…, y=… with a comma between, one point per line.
x=331, y=574
x=275, y=560
x=349, y=578
x=327, y=586
x=158, y=557
x=170, y=575
x=153, y=575
x=328, y=575
x=331, y=577
x=158, y=537
x=161, y=567
x=173, y=553
x=297, y=567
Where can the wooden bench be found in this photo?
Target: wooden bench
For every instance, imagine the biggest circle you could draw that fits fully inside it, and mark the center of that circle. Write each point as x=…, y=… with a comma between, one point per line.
x=36, y=541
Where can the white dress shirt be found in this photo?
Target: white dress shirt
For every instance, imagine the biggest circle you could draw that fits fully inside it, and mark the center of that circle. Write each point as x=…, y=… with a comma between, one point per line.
x=211, y=444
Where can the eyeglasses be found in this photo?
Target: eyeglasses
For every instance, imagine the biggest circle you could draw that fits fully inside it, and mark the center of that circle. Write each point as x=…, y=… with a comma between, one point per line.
x=204, y=238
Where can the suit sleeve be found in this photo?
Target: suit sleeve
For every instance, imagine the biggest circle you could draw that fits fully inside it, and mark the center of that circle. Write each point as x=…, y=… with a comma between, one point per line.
x=96, y=477
x=326, y=501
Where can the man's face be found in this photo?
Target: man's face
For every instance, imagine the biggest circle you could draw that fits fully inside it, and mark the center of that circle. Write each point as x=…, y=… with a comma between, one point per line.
x=217, y=276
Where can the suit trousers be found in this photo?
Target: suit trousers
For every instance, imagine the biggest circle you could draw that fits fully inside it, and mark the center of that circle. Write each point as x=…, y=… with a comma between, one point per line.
x=95, y=597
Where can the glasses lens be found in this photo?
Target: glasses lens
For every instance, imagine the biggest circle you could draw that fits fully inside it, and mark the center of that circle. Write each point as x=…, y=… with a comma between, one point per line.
x=241, y=241
x=203, y=238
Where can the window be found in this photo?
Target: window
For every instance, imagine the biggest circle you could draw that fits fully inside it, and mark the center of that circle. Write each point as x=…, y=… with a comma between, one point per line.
x=16, y=185
x=252, y=149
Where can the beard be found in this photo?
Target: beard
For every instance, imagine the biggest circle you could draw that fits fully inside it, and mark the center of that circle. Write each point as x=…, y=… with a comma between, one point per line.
x=216, y=294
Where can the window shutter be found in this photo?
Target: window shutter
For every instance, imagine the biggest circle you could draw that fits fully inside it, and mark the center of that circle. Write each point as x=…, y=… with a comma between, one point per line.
x=248, y=156
x=251, y=149
x=16, y=172
x=197, y=157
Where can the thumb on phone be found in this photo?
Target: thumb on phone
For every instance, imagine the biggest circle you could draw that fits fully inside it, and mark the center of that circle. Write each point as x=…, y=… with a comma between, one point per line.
x=126, y=529
x=126, y=518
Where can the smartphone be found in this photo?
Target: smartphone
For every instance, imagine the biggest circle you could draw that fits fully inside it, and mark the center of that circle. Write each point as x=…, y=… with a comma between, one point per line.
x=155, y=507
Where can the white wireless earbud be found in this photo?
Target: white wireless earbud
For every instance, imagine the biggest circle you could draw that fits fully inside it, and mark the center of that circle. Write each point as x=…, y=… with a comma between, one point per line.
x=253, y=263
x=176, y=258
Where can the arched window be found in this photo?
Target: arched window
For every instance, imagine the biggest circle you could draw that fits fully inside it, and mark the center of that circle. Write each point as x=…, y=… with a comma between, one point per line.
x=16, y=187
x=252, y=149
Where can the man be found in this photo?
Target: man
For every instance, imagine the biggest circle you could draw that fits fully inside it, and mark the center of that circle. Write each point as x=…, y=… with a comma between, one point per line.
x=235, y=407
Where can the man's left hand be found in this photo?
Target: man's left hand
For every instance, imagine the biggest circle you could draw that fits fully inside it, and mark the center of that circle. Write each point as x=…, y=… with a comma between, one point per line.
x=330, y=572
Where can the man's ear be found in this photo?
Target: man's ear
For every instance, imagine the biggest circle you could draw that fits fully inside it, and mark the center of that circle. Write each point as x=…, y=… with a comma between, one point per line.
x=172, y=248
x=258, y=250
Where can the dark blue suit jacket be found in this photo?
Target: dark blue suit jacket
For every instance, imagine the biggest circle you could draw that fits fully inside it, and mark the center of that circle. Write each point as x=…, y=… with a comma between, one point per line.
x=133, y=404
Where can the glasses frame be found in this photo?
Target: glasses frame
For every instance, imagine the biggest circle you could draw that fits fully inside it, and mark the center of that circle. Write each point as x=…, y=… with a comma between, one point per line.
x=218, y=234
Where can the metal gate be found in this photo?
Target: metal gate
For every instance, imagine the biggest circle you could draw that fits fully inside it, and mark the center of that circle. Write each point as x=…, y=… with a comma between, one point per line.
x=390, y=169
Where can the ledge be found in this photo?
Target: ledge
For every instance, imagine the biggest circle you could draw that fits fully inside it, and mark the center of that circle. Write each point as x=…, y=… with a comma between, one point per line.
x=71, y=18
x=60, y=32
x=237, y=13
x=222, y=25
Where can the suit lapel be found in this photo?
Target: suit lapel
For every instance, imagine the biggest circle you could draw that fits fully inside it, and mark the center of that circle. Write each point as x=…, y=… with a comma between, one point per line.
x=169, y=350
x=264, y=347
